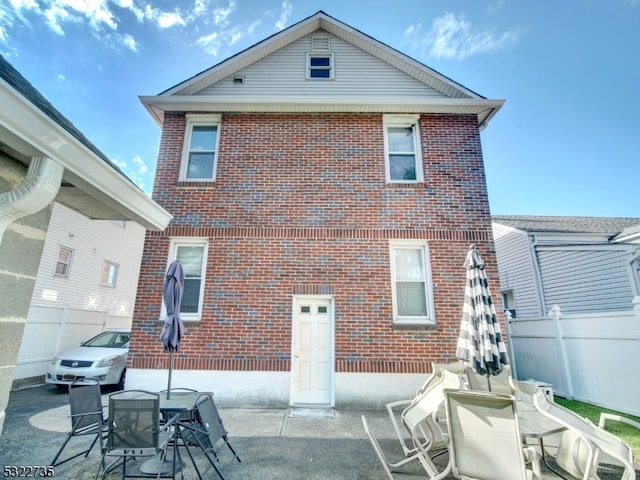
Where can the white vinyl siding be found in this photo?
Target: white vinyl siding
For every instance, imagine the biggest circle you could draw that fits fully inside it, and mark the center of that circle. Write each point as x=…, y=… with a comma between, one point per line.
x=356, y=75
x=516, y=269
x=585, y=279
x=92, y=242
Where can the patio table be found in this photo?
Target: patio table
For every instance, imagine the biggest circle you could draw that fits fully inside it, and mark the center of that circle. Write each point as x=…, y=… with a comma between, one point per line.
x=536, y=426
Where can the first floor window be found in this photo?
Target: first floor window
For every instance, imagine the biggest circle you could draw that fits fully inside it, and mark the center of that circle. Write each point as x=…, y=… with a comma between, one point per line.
x=412, y=302
x=191, y=253
x=109, y=273
x=509, y=303
x=64, y=261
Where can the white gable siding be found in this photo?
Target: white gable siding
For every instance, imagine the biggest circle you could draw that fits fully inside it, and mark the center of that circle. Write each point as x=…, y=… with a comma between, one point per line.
x=516, y=269
x=356, y=74
x=93, y=242
x=585, y=279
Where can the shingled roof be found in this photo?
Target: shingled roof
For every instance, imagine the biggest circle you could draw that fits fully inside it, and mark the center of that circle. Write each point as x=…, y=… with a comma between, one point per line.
x=609, y=226
x=9, y=74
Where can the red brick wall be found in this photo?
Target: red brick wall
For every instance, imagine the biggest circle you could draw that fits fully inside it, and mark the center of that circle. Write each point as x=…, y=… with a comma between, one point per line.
x=300, y=205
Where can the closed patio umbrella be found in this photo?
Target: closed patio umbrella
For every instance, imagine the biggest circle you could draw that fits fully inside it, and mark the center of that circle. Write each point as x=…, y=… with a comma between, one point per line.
x=480, y=342
x=173, y=329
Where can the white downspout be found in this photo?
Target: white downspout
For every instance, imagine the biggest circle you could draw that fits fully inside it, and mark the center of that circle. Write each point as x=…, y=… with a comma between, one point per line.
x=538, y=277
x=38, y=190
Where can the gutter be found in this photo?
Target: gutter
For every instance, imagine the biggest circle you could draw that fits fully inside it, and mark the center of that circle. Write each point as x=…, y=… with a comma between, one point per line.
x=38, y=190
x=538, y=277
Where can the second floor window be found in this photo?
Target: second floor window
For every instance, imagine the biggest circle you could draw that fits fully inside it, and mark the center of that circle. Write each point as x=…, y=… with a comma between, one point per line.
x=64, y=261
x=109, y=273
x=402, y=149
x=201, y=147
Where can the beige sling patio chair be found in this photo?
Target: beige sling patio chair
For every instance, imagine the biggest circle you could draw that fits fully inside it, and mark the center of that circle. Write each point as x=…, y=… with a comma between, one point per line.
x=484, y=438
x=583, y=446
x=87, y=419
x=627, y=451
x=499, y=383
x=421, y=423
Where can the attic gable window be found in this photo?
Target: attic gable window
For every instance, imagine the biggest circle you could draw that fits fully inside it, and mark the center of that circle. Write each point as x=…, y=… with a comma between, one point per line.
x=201, y=147
x=402, y=149
x=320, y=66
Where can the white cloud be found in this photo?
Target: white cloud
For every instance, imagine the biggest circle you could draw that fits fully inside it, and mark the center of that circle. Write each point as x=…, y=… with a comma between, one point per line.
x=130, y=42
x=287, y=9
x=170, y=19
x=453, y=37
x=210, y=43
x=142, y=167
x=221, y=15
x=3, y=34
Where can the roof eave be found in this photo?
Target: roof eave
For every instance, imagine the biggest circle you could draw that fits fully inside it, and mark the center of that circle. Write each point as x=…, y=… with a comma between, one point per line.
x=484, y=109
x=32, y=133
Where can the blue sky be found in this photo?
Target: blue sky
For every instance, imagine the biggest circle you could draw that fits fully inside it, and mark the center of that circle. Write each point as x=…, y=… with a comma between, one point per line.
x=567, y=141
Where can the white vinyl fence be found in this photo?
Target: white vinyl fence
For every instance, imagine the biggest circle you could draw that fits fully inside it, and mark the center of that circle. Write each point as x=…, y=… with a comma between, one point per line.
x=51, y=330
x=591, y=357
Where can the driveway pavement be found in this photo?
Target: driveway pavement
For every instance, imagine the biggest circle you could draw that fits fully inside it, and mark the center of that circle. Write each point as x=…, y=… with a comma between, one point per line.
x=272, y=443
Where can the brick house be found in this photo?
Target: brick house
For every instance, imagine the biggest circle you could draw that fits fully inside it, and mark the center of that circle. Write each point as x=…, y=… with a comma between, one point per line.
x=324, y=189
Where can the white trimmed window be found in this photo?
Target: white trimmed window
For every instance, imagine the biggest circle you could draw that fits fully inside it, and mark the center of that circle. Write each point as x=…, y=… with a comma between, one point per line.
x=64, y=262
x=201, y=147
x=320, y=66
x=192, y=254
x=109, y=274
x=411, y=279
x=402, y=149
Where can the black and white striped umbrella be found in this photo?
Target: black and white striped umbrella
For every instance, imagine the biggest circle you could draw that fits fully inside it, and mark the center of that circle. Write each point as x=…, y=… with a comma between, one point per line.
x=480, y=342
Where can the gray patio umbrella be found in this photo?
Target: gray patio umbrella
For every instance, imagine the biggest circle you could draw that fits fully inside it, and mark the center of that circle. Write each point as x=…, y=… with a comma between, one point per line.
x=480, y=342
x=173, y=329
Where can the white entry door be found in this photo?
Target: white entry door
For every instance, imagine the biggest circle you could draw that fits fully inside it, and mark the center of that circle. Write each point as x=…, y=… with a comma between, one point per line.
x=312, y=350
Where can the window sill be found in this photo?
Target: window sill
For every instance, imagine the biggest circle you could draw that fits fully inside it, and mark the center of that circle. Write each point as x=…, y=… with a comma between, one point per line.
x=196, y=183
x=414, y=325
x=406, y=185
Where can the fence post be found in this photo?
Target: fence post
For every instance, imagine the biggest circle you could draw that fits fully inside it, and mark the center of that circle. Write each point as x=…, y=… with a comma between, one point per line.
x=555, y=314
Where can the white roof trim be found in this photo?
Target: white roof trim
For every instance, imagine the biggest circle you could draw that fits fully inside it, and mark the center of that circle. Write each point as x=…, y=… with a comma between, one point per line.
x=83, y=168
x=156, y=105
x=483, y=108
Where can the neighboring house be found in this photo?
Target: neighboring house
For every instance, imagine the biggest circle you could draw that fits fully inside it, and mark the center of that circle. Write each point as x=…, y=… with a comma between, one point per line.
x=44, y=158
x=325, y=190
x=572, y=286
x=86, y=282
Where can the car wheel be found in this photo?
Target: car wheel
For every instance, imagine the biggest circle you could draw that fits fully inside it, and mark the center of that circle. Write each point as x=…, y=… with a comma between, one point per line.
x=123, y=376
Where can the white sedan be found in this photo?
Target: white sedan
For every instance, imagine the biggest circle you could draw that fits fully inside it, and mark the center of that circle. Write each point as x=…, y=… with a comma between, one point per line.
x=104, y=358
